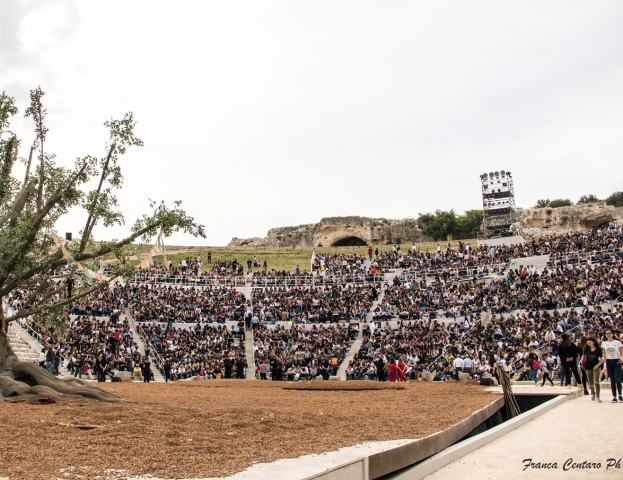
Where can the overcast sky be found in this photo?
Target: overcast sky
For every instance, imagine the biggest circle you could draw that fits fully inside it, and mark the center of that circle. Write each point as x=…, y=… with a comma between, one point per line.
x=266, y=114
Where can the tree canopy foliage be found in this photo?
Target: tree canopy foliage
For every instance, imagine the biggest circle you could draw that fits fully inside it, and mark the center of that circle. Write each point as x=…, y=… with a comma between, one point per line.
x=616, y=199
x=31, y=254
x=442, y=223
x=588, y=199
x=33, y=202
x=560, y=202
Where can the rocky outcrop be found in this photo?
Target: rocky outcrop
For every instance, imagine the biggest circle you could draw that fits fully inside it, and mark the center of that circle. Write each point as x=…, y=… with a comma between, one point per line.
x=337, y=231
x=549, y=221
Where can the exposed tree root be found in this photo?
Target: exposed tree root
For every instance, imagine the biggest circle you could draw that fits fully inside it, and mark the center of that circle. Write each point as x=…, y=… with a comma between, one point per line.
x=31, y=382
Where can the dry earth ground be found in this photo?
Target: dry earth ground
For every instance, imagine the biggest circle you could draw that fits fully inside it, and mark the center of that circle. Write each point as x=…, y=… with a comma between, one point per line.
x=216, y=428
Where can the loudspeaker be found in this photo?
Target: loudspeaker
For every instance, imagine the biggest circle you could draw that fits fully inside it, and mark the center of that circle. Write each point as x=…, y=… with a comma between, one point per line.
x=68, y=236
x=487, y=382
x=116, y=379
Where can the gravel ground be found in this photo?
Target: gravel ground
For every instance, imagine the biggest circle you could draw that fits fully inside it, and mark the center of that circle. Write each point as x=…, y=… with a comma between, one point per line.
x=216, y=428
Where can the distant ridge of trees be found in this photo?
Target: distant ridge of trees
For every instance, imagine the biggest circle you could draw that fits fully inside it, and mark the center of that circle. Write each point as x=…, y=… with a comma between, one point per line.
x=616, y=200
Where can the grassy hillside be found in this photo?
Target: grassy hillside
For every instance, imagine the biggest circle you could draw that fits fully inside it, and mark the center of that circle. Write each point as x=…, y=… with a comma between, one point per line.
x=280, y=259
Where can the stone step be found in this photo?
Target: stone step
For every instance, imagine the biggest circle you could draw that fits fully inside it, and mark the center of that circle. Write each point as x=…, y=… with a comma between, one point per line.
x=157, y=374
x=23, y=351
x=248, y=353
x=27, y=348
x=354, y=348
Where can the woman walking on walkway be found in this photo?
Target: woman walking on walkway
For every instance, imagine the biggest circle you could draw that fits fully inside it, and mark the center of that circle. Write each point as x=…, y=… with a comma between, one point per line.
x=583, y=373
x=592, y=359
x=613, y=350
x=535, y=366
x=568, y=353
x=545, y=370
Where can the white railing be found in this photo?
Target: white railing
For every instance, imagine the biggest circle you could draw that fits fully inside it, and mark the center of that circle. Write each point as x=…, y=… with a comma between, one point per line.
x=256, y=281
x=151, y=344
x=31, y=332
x=582, y=257
x=413, y=273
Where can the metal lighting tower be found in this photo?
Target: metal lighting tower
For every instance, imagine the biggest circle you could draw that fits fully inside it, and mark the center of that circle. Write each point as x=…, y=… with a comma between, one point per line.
x=498, y=204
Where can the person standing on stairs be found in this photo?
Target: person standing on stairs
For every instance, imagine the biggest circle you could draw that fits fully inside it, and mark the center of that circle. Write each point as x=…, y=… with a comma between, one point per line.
x=42, y=358
x=49, y=360
x=146, y=369
x=241, y=366
x=167, y=370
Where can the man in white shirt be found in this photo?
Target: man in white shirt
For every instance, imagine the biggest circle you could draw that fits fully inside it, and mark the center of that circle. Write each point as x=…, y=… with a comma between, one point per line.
x=468, y=365
x=458, y=367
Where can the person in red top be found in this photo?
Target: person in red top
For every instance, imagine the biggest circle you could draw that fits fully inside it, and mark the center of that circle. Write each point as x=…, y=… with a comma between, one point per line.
x=402, y=368
x=118, y=340
x=393, y=369
x=370, y=252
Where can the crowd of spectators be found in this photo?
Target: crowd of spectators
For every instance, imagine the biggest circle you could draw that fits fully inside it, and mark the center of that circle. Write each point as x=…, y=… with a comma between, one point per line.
x=508, y=339
x=177, y=304
x=296, y=353
x=315, y=304
x=86, y=338
x=208, y=351
x=440, y=315
x=572, y=284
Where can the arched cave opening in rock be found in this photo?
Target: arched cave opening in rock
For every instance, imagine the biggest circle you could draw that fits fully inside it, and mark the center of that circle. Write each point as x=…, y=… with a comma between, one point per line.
x=350, y=242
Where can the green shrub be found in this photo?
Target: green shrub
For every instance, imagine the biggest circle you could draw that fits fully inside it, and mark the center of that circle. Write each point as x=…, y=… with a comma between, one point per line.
x=560, y=202
x=616, y=199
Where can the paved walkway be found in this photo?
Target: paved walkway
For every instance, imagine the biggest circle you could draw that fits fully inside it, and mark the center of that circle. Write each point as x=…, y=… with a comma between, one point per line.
x=579, y=429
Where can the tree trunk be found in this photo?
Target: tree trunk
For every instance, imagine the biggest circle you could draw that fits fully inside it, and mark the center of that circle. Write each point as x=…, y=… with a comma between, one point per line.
x=31, y=382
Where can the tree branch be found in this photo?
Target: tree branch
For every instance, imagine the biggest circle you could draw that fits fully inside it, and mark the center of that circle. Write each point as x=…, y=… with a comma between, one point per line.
x=78, y=258
x=25, y=313
x=32, y=150
x=7, y=167
x=88, y=228
x=33, y=297
x=34, y=228
x=41, y=177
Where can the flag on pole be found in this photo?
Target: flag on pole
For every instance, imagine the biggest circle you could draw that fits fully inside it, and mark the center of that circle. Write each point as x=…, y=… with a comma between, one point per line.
x=162, y=248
